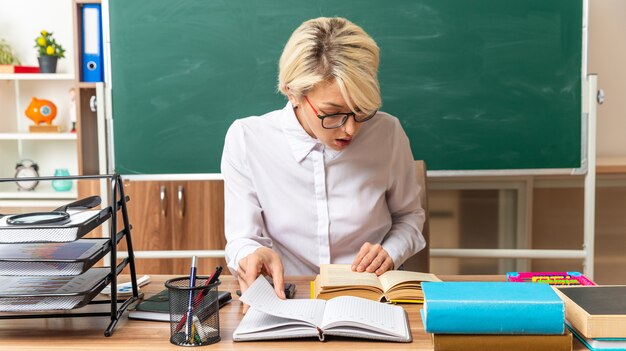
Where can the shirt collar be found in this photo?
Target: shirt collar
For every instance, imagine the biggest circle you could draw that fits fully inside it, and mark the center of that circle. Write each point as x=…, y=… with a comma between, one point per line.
x=300, y=141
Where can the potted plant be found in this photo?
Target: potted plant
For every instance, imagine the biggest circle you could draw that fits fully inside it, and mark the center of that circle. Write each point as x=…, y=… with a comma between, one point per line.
x=7, y=57
x=49, y=52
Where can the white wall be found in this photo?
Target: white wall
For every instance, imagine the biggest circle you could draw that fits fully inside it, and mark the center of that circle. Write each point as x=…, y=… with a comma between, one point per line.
x=607, y=58
x=22, y=20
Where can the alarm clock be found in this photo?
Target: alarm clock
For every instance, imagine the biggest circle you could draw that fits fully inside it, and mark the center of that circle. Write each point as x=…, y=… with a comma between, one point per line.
x=26, y=168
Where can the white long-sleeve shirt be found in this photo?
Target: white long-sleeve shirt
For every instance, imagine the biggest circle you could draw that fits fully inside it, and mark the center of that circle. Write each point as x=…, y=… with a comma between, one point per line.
x=311, y=204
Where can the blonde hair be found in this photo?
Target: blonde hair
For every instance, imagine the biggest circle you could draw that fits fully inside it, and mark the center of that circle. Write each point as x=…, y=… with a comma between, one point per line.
x=326, y=49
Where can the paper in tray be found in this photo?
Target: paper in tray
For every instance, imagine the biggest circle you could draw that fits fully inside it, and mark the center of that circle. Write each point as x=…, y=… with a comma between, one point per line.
x=39, y=293
x=80, y=224
x=71, y=258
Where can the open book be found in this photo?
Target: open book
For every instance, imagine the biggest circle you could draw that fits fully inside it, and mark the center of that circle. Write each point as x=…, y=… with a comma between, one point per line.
x=272, y=318
x=393, y=286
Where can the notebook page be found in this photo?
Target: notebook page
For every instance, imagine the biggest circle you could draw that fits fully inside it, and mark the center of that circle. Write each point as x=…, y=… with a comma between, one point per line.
x=255, y=321
x=349, y=311
x=261, y=296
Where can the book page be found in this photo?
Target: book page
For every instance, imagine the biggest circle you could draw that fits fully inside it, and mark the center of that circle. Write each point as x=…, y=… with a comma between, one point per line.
x=342, y=275
x=390, y=279
x=261, y=296
x=378, y=318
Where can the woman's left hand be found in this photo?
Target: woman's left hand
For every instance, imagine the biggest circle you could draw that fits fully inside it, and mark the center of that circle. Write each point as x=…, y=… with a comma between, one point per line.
x=373, y=259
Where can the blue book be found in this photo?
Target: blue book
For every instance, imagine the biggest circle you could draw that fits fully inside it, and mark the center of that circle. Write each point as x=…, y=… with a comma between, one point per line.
x=492, y=308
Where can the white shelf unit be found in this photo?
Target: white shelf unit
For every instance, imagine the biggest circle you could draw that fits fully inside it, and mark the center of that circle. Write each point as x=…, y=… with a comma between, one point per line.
x=44, y=196
x=38, y=136
x=36, y=76
x=49, y=150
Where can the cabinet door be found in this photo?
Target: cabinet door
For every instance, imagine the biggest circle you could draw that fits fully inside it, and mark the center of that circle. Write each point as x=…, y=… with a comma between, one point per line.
x=149, y=211
x=198, y=222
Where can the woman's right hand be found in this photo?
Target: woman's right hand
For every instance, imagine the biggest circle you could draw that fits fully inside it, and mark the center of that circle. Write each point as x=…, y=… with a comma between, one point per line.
x=263, y=261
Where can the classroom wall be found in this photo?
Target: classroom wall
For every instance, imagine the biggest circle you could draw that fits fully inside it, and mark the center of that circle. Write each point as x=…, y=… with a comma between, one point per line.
x=21, y=21
x=607, y=58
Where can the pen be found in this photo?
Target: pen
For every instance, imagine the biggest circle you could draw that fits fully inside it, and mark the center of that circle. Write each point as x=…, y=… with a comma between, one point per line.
x=192, y=284
x=198, y=299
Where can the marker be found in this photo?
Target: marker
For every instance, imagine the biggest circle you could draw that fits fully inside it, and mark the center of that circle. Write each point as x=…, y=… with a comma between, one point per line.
x=192, y=284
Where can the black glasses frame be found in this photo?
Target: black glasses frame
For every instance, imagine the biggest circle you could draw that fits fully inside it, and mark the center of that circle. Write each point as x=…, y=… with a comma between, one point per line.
x=344, y=116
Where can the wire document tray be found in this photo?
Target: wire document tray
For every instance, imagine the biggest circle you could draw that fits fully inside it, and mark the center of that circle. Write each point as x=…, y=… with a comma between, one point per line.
x=47, y=269
x=52, y=259
x=80, y=224
x=43, y=293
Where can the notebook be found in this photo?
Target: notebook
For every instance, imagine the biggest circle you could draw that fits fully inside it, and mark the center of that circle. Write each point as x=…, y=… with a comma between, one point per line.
x=157, y=307
x=271, y=318
x=607, y=344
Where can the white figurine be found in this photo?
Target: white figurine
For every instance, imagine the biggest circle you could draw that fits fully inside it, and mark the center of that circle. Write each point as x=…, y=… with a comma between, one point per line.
x=72, y=93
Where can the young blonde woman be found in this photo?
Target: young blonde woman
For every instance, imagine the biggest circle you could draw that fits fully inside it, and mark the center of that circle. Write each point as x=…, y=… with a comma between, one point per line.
x=326, y=179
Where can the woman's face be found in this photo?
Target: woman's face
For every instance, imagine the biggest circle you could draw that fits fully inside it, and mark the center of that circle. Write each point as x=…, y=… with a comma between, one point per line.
x=326, y=99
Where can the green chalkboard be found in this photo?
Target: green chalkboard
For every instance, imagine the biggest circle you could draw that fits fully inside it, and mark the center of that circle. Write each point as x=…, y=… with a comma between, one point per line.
x=478, y=85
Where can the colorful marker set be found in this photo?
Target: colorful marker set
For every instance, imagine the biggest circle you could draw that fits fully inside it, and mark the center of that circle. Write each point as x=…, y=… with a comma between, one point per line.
x=551, y=278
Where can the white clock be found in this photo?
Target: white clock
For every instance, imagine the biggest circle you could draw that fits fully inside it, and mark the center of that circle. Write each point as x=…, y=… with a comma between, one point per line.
x=26, y=168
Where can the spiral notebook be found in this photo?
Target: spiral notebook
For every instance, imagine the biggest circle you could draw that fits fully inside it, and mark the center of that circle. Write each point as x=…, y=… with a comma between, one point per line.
x=271, y=318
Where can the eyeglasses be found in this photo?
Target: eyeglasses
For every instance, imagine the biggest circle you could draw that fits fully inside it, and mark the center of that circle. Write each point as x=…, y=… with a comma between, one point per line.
x=336, y=120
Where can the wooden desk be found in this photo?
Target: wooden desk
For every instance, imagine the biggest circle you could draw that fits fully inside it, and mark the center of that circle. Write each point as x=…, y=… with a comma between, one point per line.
x=87, y=333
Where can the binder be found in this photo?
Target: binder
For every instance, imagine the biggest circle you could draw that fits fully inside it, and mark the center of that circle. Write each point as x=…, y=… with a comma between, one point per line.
x=93, y=59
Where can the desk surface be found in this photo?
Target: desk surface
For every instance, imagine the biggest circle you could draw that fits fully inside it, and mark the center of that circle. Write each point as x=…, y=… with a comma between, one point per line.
x=86, y=333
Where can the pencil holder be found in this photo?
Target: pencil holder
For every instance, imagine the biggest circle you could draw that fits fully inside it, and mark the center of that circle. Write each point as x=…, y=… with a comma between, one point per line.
x=200, y=324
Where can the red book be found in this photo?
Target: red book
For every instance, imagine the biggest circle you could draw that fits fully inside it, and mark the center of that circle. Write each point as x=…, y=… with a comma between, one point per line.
x=26, y=69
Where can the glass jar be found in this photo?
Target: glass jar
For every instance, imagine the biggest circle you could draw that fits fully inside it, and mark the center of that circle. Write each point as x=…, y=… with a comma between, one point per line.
x=62, y=184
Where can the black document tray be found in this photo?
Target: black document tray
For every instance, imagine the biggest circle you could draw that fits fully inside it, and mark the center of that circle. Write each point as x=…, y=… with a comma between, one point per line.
x=80, y=224
x=42, y=293
x=52, y=259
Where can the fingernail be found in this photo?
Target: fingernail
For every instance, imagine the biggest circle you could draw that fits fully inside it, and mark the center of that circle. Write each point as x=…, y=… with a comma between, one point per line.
x=360, y=269
x=354, y=267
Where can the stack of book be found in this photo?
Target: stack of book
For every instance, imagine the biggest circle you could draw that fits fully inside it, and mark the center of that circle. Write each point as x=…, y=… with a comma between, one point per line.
x=18, y=69
x=596, y=315
x=494, y=316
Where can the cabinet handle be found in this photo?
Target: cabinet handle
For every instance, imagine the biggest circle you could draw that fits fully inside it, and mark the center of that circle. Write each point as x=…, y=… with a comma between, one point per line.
x=93, y=103
x=181, y=201
x=163, y=196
